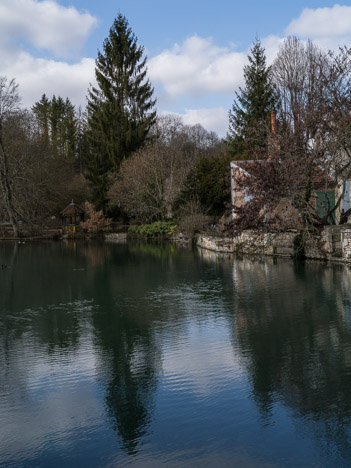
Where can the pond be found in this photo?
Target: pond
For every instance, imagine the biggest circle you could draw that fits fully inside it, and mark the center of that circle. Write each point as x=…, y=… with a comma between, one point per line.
x=151, y=355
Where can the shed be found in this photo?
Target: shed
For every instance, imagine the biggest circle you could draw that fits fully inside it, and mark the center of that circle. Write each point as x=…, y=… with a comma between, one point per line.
x=72, y=215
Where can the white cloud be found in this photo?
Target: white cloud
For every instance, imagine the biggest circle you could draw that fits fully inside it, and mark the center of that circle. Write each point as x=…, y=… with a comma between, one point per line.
x=322, y=23
x=200, y=373
x=197, y=67
x=194, y=71
x=37, y=76
x=45, y=25
x=271, y=45
x=212, y=119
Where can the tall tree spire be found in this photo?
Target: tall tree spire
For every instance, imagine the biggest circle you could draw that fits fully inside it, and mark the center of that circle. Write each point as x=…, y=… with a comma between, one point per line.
x=121, y=107
x=252, y=105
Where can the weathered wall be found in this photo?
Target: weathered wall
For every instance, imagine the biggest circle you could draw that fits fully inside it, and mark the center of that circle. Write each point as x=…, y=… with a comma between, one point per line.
x=334, y=243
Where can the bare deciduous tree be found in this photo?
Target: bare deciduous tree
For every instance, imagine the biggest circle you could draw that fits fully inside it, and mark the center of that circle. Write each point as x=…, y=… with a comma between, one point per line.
x=9, y=105
x=149, y=182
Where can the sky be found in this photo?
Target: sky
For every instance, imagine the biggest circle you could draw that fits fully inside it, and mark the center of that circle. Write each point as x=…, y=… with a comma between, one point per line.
x=196, y=49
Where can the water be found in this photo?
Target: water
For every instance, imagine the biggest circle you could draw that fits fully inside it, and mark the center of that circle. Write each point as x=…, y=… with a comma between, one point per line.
x=148, y=355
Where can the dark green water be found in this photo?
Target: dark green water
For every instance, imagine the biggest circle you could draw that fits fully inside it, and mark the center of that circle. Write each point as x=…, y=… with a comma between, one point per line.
x=145, y=355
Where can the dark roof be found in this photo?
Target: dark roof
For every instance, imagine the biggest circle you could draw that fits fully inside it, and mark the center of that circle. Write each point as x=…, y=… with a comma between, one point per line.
x=319, y=176
x=72, y=209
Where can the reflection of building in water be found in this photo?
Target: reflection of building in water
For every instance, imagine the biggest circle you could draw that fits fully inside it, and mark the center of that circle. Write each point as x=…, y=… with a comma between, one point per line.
x=293, y=339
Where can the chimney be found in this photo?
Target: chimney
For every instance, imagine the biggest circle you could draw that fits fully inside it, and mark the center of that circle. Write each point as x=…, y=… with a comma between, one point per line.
x=273, y=140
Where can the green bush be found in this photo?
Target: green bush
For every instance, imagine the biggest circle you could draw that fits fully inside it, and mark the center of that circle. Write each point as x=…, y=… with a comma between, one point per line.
x=159, y=228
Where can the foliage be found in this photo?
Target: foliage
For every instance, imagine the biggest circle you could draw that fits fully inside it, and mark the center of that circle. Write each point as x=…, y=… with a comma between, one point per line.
x=156, y=229
x=209, y=182
x=158, y=167
x=96, y=221
x=252, y=105
x=213, y=183
x=150, y=184
x=39, y=178
x=120, y=109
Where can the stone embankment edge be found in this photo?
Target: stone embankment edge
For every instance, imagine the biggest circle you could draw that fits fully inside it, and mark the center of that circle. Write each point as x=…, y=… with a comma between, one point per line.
x=333, y=243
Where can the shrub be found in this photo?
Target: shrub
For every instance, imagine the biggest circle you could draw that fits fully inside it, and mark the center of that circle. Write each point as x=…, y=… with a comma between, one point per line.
x=159, y=228
x=192, y=218
x=96, y=221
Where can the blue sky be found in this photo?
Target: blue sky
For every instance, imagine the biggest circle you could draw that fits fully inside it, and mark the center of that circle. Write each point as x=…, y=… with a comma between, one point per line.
x=196, y=49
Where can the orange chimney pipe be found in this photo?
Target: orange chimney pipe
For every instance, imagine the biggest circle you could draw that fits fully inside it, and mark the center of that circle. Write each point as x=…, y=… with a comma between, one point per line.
x=273, y=127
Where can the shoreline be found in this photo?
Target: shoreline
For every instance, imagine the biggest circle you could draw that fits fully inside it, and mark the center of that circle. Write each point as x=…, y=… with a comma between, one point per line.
x=332, y=244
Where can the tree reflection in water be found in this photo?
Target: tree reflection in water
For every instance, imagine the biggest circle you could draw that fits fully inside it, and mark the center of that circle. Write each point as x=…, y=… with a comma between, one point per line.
x=129, y=360
x=136, y=315
x=293, y=328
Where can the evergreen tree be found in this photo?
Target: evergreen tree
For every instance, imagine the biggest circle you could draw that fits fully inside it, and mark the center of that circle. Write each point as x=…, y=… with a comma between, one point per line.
x=120, y=110
x=252, y=105
x=41, y=110
x=69, y=130
x=57, y=124
x=56, y=116
x=81, y=139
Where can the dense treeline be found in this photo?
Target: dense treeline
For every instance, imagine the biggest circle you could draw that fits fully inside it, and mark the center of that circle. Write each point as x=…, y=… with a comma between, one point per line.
x=117, y=153
x=47, y=151
x=63, y=128
x=39, y=158
x=140, y=167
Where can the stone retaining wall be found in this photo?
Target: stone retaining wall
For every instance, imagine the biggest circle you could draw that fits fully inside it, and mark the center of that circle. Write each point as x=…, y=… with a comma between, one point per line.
x=333, y=243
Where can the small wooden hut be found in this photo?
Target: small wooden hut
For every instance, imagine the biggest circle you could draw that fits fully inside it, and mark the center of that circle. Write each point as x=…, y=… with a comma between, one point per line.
x=72, y=216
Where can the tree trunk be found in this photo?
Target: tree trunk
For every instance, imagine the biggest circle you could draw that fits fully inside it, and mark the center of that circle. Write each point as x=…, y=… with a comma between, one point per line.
x=6, y=188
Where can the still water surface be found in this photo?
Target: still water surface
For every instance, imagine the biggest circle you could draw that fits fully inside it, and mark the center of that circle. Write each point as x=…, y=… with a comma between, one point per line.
x=148, y=355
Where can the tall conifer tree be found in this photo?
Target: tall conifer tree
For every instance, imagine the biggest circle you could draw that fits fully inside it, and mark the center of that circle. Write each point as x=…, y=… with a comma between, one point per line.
x=252, y=105
x=120, y=109
x=42, y=110
x=57, y=124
